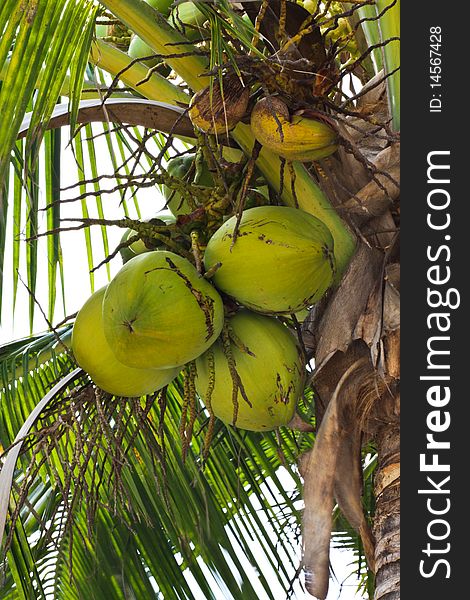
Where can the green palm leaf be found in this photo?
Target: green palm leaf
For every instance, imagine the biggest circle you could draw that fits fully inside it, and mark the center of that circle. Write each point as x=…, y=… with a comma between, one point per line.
x=215, y=524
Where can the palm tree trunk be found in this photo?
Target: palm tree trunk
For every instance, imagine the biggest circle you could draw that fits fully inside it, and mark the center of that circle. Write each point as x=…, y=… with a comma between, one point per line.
x=387, y=514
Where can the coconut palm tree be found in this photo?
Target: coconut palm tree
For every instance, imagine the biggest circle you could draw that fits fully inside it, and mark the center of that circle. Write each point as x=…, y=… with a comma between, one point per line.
x=104, y=496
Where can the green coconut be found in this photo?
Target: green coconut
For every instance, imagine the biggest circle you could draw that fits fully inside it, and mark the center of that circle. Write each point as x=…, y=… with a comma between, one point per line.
x=147, y=244
x=183, y=168
x=163, y=6
x=180, y=167
x=93, y=353
x=125, y=252
x=268, y=362
x=281, y=262
x=139, y=49
x=187, y=18
x=158, y=312
x=101, y=31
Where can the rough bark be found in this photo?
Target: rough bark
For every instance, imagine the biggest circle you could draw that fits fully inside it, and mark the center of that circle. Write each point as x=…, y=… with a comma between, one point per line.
x=387, y=515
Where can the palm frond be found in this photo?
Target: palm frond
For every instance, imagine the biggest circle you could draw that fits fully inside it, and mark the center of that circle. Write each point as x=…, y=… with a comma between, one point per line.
x=49, y=50
x=26, y=217
x=157, y=523
x=39, y=41
x=389, y=24
x=380, y=23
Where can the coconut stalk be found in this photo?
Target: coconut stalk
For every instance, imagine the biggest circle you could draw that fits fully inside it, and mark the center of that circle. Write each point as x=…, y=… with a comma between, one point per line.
x=389, y=26
x=115, y=61
x=149, y=25
x=154, y=30
x=370, y=28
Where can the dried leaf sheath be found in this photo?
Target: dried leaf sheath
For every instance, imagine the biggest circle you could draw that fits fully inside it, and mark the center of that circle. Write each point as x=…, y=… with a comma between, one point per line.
x=319, y=472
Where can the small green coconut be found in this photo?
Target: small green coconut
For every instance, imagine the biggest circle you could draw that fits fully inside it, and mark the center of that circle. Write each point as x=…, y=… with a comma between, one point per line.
x=125, y=252
x=158, y=312
x=147, y=244
x=93, y=354
x=139, y=49
x=269, y=364
x=180, y=167
x=188, y=19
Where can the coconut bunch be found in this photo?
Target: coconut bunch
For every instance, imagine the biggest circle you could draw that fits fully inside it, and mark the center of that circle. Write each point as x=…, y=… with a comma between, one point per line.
x=217, y=314
x=155, y=315
x=221, y=324
x=274, y=261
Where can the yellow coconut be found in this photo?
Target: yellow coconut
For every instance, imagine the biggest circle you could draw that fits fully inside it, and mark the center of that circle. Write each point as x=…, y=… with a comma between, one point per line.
x=93, y=353
x=291, y=137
